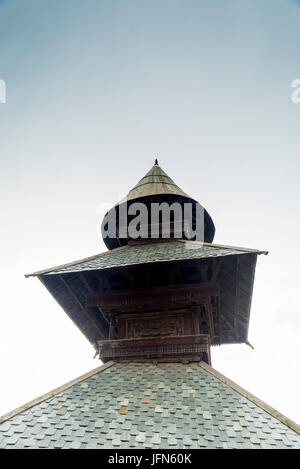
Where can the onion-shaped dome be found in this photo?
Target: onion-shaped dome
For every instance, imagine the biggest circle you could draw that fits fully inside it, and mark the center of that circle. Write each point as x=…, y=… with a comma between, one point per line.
x=156, y=187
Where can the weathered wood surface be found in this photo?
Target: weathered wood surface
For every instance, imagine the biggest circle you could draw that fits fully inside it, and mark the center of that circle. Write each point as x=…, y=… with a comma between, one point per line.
x=185, y=347
x=131, y=299
x=218, y=285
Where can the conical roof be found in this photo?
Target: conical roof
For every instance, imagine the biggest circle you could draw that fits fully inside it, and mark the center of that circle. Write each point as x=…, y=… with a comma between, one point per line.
x=155, y=187
x=155, y=182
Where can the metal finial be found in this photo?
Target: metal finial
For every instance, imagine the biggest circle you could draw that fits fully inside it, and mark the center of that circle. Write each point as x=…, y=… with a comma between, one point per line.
x=156, y=161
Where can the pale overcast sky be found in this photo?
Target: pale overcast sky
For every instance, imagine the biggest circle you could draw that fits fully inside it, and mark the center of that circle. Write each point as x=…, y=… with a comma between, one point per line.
x=96, y=90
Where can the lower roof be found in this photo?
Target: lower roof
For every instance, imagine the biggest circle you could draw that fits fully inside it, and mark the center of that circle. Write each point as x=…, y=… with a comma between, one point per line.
x=69, y=283
x=147, y=253
x=140, y=405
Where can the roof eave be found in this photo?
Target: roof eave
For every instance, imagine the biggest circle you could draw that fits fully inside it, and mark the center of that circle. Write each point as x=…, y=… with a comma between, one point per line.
x=69, y=264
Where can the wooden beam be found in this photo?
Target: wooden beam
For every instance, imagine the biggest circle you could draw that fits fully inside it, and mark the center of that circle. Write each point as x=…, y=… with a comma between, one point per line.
x=208, y=309
x=86, y=283
x=154, y=347
x=237, y=289
x=86, y=313
x=132, y=298
x=217, y=263
x=92, y=292
x=103, y=314
x=230, y=327
x=203, y=267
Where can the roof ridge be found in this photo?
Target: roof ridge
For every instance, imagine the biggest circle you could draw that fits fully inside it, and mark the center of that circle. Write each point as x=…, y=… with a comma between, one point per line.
x=225, y=246
x=55, y=391
x=266, y=407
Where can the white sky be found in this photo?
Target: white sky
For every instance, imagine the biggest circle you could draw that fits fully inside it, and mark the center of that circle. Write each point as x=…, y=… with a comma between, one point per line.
x=96, y=90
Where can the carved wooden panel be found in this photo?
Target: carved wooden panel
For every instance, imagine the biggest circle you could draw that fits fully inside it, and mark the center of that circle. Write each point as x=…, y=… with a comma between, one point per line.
x=133, y=300
x=161, y=324
x=180, y=348
x=155, y=327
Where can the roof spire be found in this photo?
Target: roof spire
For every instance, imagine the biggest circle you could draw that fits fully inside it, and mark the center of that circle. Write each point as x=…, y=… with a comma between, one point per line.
x=156, y=162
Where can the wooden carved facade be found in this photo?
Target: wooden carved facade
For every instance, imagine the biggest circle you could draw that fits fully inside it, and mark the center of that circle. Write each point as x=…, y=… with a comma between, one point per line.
x=165, y=320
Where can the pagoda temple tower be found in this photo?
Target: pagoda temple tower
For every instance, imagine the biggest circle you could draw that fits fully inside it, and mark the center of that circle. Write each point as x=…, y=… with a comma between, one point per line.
x=153, y=306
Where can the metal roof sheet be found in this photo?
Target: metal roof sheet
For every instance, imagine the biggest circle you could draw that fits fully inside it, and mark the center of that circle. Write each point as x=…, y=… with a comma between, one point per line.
x=156, y=181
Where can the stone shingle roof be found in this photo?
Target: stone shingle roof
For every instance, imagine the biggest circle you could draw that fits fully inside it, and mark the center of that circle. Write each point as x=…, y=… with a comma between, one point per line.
x=140, y=405
x=147, y=253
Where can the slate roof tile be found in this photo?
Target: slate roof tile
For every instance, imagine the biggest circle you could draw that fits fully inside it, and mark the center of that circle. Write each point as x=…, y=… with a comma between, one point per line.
x=147, y=253
x=216, y=417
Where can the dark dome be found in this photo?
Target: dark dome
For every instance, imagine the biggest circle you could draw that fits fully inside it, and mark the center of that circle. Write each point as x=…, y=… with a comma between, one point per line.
x=155, y=187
